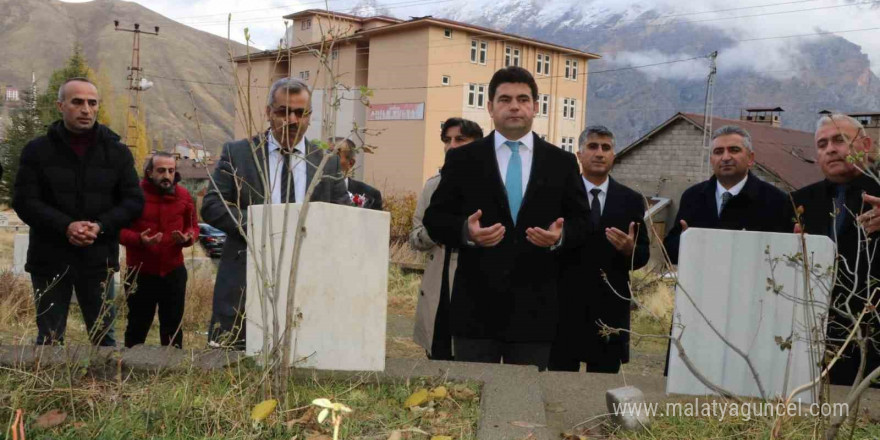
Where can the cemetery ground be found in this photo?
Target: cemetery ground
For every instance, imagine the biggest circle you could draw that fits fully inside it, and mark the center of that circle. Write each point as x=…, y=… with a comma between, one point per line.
x=188, y=402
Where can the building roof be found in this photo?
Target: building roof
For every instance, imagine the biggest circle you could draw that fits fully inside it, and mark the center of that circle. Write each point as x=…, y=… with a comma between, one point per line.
x=418, y=22
x=479, y=30
x=195, y=170
x=765, y=109
x=333, y=14
x=788, y=154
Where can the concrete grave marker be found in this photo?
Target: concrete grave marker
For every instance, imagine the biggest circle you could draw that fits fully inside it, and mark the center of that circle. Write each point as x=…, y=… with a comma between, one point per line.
x=342, y=285
x=728, y=276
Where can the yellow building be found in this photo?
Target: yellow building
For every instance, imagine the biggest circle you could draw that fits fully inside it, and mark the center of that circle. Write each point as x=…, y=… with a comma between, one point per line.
x=420, y=72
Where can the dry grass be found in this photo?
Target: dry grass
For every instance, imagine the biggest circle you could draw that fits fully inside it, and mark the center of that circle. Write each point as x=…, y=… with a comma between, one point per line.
x=403, y=291
x=7, y=247
x=218, y=404
x=401, y=253
x=401, y=206
x=657, y=299
x=17, y=321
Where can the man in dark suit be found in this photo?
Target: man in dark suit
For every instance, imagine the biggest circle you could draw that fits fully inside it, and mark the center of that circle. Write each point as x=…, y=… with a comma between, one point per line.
x=733, y=198
x=361, y=194
x=594, y=279
x=509, y=202
x=834, y=207
x=290, y=161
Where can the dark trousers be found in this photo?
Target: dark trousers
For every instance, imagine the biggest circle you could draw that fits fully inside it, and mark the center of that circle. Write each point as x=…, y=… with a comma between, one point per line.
x=94, y=293
x=148, y=292
x=441, y=343
x=492, y=351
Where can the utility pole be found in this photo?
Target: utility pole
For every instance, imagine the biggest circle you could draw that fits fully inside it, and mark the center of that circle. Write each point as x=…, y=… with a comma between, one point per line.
x=707, y=116
x=136, y=83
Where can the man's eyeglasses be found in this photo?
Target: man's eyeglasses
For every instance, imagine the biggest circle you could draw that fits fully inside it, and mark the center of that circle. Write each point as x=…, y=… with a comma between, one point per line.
x=283, y=112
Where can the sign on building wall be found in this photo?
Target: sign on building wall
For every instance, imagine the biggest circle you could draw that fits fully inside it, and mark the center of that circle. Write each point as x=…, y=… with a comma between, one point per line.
x=397, y=112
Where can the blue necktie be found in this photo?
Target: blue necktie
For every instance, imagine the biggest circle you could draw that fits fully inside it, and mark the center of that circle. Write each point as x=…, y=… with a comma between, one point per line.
x=513, y=182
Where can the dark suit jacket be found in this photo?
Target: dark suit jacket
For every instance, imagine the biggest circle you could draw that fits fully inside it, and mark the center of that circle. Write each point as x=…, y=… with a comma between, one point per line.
x=818, y=218
x=507, y=292
x=584, y=296
x=373, y=195
x=235, y=169
x=760, y=206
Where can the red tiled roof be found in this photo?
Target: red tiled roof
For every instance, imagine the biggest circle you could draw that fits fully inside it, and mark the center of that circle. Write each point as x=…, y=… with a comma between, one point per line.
x=788, y=154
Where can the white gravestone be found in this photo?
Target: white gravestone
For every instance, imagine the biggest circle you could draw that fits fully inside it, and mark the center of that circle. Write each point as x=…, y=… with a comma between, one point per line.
x=727, y=275
x=19, y=253
x=342, y=284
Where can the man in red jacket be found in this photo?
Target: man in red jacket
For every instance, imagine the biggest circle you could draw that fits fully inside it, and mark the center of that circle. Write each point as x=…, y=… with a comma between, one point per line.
x=154, y=254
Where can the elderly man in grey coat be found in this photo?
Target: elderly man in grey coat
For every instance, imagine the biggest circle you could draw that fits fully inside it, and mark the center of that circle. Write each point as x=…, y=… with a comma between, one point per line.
x=288, y=162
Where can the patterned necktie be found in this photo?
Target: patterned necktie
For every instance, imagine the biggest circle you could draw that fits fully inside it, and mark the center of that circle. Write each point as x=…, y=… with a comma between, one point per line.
x=513, y=181
x=724, y=199
x=595, y=208
x=840, y=209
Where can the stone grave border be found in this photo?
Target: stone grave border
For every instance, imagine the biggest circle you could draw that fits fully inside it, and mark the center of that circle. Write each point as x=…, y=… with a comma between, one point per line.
x=541, y=404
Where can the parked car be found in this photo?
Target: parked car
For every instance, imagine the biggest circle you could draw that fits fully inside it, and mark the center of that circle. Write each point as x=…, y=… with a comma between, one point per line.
x=212, y=240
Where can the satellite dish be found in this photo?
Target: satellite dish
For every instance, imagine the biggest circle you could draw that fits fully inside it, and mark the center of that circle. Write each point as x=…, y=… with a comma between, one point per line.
x=145, y=84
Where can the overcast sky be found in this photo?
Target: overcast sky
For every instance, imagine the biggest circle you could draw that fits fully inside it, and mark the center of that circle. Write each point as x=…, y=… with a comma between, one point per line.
x=742, y=19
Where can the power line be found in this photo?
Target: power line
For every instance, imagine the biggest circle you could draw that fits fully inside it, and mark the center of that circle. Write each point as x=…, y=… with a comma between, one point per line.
x=153, y=75
x=808, y=35
x=506, y=39
x=389, y=6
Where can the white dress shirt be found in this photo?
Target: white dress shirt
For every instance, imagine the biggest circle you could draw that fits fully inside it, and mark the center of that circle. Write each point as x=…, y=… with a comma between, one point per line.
x=503, y=153
x=297, y=164
x=602, y=195
x=734, y=190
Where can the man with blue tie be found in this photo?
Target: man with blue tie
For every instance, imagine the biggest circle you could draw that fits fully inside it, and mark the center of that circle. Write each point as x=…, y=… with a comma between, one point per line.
x=510, y=202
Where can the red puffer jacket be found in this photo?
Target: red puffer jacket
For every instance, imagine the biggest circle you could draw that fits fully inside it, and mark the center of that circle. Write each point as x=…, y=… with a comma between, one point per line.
x=163, y=213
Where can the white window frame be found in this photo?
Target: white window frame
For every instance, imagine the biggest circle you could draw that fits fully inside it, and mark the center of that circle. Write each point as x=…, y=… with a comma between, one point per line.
x=568, y=108
x=539, y=68
x=304, y=75
x=306, y=24
x=516, y=57
x=507, y=55
x=543, y=105
x=546, y=64
x=479, y=51
x=334, y=54
x=567, y=144
x=481, y=95
x=471, y=100
x=567, y=68
x=447, y=33
x=574, y=70
x=445, y=80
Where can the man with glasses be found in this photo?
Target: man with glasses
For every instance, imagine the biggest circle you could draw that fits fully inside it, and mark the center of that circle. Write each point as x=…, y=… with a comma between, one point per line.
x=836, y=206
x=288, y=162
